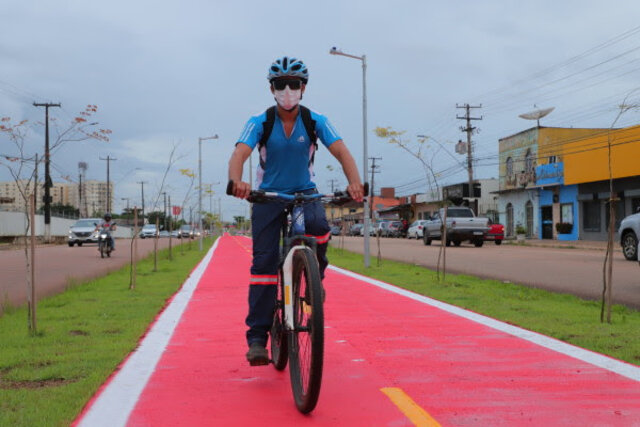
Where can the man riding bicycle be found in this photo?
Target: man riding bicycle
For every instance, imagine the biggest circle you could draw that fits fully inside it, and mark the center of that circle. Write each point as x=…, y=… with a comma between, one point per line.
x=286, y=139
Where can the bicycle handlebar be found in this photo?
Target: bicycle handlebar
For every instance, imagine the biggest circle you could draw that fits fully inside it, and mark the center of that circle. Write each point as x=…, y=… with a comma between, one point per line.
x=261, y=196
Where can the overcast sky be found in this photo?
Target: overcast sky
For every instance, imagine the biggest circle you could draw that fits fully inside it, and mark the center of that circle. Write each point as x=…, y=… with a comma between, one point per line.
x=165, y=73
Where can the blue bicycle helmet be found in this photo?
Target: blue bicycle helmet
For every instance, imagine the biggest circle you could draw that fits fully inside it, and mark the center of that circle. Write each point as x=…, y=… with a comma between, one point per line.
x=288, y=67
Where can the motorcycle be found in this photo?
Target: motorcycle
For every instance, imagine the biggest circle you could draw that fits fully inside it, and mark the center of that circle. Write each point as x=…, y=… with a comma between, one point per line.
x=104, y=242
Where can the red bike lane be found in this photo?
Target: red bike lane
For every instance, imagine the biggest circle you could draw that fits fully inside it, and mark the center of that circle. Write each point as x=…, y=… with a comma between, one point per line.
x=390, y=360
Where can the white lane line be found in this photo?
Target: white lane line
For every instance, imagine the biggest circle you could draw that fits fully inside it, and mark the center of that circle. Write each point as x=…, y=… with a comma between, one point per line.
x=602, y=361
x=117, y=400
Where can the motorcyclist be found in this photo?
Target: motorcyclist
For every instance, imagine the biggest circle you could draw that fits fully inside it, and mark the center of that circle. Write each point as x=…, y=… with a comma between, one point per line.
x=108, y=225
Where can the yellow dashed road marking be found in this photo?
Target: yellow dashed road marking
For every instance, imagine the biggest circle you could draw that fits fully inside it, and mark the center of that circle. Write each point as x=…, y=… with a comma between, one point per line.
x=415, y=413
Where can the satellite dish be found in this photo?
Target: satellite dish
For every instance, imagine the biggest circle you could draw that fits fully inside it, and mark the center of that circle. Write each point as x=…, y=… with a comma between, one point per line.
x=536, y=114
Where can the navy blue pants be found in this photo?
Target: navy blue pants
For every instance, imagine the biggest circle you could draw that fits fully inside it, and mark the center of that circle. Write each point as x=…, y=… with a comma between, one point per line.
x=266, y=226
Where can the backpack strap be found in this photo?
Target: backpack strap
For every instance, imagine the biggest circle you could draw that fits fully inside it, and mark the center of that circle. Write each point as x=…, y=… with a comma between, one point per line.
x=267, y=128
x=309, y=124
x=310, y=127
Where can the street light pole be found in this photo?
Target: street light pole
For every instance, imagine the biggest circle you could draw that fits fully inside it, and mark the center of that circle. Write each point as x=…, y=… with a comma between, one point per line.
x=200, y=185
x=365, y=155
x=127, y=210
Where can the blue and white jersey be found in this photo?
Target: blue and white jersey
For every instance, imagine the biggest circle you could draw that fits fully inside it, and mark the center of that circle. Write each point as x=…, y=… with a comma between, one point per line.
x=288, y=162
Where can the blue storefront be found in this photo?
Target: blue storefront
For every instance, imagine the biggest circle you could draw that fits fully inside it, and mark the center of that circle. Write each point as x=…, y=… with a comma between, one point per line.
x=558, y=204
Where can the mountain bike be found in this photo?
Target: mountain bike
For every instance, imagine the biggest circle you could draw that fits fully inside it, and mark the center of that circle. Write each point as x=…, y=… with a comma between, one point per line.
x=297, y=331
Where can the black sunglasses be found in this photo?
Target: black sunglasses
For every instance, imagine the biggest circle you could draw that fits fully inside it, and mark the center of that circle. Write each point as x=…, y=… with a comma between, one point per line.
x=281, y=84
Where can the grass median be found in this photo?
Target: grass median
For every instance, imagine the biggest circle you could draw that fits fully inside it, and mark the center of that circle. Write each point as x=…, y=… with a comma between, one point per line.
x=83, y=335
x=562, y=316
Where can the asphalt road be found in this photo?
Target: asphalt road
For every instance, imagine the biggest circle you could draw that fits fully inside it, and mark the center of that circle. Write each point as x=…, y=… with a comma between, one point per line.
x=566, y=270
x=57, y=266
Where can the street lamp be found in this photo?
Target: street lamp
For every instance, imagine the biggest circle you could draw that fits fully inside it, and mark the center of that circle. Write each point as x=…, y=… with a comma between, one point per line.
x=365, y=166
x=200, y=185
x=127, y=209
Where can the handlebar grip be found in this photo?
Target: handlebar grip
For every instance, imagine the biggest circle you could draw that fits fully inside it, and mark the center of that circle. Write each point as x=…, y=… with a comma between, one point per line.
x=366, y=189
x=230, y=188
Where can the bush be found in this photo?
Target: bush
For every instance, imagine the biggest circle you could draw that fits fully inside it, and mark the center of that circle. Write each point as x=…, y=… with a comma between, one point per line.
x=521, y=230
x=564, y=227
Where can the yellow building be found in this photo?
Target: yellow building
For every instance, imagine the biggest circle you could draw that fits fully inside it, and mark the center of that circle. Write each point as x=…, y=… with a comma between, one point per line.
x=587, y=159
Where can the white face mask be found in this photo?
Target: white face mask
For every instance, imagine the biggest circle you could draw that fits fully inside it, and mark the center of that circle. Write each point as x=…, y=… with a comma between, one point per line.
x=287, y=98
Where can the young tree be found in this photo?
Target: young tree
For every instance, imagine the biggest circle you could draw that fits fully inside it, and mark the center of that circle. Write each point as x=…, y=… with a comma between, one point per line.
x=426, y=154
x=23, y=166
x=607, y=268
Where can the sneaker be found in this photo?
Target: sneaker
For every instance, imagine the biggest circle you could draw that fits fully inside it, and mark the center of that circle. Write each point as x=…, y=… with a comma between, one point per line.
x=257, y=355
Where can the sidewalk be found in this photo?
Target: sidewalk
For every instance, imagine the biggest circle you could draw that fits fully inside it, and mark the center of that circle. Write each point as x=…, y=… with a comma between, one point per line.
x=392, y=358
x=581, y=244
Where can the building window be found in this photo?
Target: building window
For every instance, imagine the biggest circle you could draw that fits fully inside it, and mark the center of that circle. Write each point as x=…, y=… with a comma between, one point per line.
x=591, y=215
x=509, y=167
x=529, y=217
x=635, y=205
x=566, y=213
x=619, y=213
x=528, y=162
x=553, y=159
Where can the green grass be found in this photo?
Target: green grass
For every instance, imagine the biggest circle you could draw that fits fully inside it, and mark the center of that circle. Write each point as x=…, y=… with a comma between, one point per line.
x=83, y=334
x=562, y=316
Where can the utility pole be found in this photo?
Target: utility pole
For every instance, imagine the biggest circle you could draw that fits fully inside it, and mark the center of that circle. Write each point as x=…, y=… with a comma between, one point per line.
x=35, y=186
x=374, y=168
x=333, y=183
x=164, y=222
x=109, y=159
x=469, y=130
x=82, y=170
x=142, y=183
x=47, y=176
x=200, y=185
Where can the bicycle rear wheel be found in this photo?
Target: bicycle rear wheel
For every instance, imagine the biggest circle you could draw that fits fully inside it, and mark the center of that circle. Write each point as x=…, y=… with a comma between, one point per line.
x=279, y=350
x=306, y=343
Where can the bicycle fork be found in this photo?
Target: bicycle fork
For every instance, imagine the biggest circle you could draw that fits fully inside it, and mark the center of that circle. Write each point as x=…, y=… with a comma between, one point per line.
x=287, y=270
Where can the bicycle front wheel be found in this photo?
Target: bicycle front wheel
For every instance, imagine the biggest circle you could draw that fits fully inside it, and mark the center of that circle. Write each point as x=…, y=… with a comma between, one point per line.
x=306, y=342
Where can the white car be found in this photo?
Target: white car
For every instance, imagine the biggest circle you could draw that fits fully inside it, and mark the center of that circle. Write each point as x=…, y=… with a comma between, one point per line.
x=629, y=233
x=415, y=229
x=148, y=230
x=84, y=231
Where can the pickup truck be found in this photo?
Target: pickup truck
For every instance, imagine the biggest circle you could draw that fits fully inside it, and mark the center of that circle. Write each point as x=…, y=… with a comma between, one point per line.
x=462, y=224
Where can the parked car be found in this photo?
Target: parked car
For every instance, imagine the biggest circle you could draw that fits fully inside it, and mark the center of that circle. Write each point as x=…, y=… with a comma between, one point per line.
x=462, y=224
x=163, y=233
x=148, y=230
x=629, y=233
x=356, y=230
x=394, y=229
x=415, y=229
x=336, y=230
x=495, y=233
x=380, y=229
x=84, y=231
x=175, y=233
